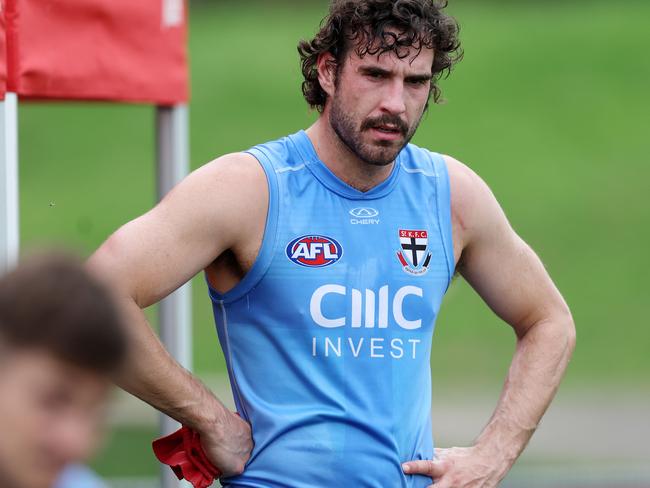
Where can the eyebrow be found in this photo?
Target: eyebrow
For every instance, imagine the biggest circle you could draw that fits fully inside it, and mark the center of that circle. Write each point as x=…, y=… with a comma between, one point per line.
x=375, y=70
x=419, y=78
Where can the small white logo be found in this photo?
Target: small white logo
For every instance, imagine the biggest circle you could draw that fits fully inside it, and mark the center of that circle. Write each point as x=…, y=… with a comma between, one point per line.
x=364, y=216
x=172, y=13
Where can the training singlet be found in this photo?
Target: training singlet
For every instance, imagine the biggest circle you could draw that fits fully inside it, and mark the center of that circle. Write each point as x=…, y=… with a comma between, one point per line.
x=327, y=338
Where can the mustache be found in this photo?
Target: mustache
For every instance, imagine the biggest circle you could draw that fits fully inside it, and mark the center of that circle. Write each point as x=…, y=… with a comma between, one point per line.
x=386, y=119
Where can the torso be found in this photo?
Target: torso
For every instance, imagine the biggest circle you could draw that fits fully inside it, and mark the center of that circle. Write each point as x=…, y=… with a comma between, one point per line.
x=329, y=359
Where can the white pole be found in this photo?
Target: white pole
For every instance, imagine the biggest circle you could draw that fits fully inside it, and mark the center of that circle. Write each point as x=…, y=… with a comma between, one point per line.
x=172, y=143
x=9, y=237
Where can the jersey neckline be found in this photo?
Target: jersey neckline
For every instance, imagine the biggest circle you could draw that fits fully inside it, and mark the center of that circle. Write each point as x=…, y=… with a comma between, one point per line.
x=320, y=170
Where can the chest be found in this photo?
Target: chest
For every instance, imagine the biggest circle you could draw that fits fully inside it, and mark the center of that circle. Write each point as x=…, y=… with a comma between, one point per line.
x=372, y=264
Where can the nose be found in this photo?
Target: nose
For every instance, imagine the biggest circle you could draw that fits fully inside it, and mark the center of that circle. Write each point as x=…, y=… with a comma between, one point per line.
x=76, y=439
x=393, y=100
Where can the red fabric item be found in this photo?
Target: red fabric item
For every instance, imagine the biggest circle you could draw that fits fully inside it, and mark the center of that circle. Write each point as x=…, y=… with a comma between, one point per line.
x=183, y=452
x=113, y=50
x=3, y=52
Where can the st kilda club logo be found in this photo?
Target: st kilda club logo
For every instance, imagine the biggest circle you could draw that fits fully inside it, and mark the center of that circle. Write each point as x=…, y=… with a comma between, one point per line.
x=414, y=255
x=314, y=251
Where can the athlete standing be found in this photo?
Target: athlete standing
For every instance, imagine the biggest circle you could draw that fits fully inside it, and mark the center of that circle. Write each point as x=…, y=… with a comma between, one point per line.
x=327, y=254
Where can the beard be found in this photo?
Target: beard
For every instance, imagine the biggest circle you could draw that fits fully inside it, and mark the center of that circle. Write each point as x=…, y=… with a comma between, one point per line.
x=377, y=153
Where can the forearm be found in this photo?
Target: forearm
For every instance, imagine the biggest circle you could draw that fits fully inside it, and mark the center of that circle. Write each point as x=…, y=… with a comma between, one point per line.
x=154, y=376
x=537, y=368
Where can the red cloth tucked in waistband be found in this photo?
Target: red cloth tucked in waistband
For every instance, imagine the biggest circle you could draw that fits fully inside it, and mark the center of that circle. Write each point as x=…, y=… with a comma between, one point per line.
x=183, y=452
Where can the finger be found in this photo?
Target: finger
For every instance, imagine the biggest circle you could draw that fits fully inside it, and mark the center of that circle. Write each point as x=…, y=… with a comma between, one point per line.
x=427, y=467
x=441, y=483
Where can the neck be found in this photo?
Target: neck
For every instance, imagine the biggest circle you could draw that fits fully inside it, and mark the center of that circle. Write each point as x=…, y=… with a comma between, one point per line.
x=343, y=162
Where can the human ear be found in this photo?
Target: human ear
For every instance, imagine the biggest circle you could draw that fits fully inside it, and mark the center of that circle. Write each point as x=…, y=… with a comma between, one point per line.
x=326, y=66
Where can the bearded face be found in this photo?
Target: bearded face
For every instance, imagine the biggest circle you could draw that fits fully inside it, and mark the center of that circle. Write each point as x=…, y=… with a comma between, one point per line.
x=378, y=103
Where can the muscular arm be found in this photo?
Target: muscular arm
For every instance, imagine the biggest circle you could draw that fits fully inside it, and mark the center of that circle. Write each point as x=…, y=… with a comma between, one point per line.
x=511, y=279
x=153, y=255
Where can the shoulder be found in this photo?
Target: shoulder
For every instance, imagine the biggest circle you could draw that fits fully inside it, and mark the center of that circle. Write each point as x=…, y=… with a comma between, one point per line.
x=467, y=187
x=235, y=166
x=232, y=177
x=462, y=179
x=282, y=154
x=217, y=196
x=475, y=211
x=221, y=181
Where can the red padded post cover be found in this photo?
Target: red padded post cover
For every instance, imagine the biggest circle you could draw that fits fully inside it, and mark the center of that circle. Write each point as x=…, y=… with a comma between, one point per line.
x=3, y=53
x=114, y=50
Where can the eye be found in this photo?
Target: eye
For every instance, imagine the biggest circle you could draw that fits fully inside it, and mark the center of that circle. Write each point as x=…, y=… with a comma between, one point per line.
x=418, y=82
x=375, y=75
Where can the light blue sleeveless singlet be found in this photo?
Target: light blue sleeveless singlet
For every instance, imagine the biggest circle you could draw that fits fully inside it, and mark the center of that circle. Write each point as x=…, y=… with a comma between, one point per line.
x=327, y=338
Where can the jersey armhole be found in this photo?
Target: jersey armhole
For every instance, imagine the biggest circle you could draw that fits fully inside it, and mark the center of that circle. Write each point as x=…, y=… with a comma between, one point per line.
x=265, y=254
x=443, y=193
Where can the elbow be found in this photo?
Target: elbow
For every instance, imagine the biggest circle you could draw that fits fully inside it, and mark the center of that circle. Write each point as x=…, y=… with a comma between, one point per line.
x=99, y=261
x=557, y=330
x=571, y=335
x=567, y=329
x=107, y=266
x=99, y=264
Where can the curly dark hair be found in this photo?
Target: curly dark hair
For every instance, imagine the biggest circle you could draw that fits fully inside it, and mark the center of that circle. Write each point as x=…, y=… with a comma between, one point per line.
x=379, y=26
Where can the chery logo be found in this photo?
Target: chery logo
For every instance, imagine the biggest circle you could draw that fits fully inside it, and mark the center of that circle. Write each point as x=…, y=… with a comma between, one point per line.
x=364, y=212
x=364, y=216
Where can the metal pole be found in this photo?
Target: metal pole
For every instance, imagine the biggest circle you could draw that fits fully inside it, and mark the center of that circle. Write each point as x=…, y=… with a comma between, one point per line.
x=9, y=237
x=172, y=143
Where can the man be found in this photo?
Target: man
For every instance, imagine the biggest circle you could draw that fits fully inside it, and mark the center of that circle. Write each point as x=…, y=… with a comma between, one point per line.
x=60, y=343
x=327, y=254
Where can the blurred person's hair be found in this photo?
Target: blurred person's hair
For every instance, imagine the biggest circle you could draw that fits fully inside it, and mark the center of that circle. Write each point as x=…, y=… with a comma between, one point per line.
x=50, y=303
x=376, y=27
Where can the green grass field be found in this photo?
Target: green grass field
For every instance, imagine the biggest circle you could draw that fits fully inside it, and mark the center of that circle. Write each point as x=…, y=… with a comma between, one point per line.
x=550, y=106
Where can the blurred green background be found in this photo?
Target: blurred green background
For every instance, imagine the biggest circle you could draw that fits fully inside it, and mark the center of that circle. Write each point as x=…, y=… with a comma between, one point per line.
x=549, y=106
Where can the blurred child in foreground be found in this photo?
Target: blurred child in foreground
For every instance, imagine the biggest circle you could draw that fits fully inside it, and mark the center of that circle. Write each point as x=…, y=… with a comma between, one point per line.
x=61, y=339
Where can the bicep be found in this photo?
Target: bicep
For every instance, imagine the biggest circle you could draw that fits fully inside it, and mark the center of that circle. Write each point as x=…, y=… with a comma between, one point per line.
x=512, y=281
x=151, y=256
x=499, y=265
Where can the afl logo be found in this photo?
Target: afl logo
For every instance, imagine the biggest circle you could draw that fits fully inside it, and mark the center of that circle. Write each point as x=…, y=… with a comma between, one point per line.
x=314, y=251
